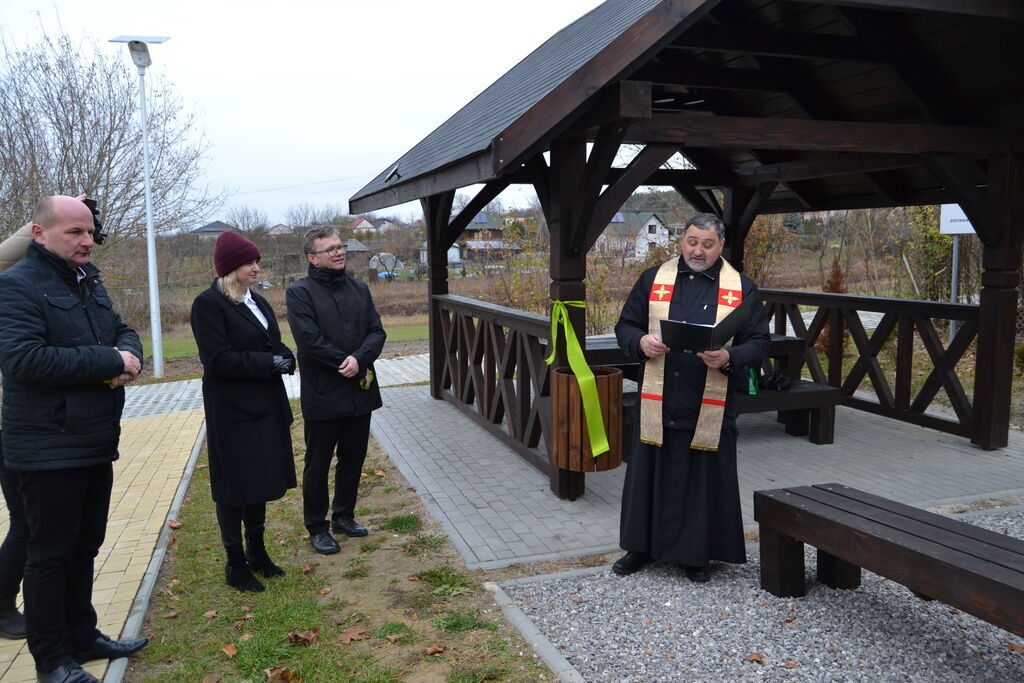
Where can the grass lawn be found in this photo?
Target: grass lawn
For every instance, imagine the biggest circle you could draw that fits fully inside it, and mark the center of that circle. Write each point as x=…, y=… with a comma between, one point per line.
x=397, y=605
x=181, y=343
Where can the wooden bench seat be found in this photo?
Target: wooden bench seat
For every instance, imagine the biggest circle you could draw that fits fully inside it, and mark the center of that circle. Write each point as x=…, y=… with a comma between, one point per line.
x=808, y=408
x=975, y=570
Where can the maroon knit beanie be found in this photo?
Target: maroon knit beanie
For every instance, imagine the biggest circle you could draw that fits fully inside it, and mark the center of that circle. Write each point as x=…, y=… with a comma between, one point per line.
x=231, y=251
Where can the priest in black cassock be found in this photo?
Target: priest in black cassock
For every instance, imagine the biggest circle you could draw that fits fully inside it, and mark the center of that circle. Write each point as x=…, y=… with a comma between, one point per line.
x=680, y=500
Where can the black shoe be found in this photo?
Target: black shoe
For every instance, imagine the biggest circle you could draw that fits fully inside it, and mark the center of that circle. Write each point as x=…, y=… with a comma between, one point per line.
x=630, y=562
x=324, y=543
x=349, y=527
x=239, y=575
x=259, y=561
x=66, y=673
x=105, y=648
x=12, y=625
x=698, y=574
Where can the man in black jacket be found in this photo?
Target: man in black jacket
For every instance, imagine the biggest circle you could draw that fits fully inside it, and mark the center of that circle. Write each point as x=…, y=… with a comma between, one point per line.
x=338, y=335
x=65, y=355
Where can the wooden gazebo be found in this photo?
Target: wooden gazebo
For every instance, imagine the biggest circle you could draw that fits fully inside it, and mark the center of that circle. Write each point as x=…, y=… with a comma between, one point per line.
x=783, y=105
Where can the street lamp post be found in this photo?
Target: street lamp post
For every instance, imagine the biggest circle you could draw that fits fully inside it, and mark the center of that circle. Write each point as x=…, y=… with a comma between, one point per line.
x=137, y=47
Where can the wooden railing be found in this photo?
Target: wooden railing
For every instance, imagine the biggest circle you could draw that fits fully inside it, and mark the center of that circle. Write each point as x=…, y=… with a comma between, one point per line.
x=493, y=370
x=885, y=356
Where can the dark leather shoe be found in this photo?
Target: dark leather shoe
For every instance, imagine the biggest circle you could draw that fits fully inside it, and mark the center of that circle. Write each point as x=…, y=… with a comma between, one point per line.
x=12, y=625
x=630, y=562
x=106, y=648
x=698, y=574
x=66, y=673
x=349, y=527
x=324, y=543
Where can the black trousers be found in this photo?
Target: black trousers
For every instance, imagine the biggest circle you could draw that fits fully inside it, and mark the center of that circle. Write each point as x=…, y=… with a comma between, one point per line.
x=348, y=436
x=66, y=512
x=231, y=517
x=15, y=545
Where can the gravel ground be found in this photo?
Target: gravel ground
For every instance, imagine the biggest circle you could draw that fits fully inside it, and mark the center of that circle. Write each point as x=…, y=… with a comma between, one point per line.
x=657, y=626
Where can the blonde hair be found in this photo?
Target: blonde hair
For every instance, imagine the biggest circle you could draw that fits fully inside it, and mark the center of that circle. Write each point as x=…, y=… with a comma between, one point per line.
x=230, y=287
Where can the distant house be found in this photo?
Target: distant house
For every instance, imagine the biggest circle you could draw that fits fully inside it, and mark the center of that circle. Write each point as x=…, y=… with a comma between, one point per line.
x=634, y=233
x=454, y=254
x=212, y=229
x=280, y=229
x=360, y=224
x=481, y=250
x=384, y=224
x=484, y=227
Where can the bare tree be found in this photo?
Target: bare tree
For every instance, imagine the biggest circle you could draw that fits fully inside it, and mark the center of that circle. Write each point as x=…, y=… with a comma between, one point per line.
x=70, y=123
x=248, y=220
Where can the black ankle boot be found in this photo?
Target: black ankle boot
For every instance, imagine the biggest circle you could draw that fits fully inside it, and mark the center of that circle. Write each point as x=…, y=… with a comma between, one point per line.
x=237, y=571
x=12, y=623
x=256, y=555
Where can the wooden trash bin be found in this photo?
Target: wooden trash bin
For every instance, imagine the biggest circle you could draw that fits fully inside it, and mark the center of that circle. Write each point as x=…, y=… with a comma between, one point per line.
x=570, y=441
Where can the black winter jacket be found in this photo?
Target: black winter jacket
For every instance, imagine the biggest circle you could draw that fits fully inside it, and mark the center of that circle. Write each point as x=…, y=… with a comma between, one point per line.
x=332, y=316
x=57, y=339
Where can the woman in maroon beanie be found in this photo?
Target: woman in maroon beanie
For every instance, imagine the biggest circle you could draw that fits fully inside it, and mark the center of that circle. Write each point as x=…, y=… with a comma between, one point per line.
x=247, y=410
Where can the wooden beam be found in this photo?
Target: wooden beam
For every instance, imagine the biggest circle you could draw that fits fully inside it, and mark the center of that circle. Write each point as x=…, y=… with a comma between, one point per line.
x=623, y=101
x=482, y=198
x=436, y=212
x=962, y=176
x=537, y=171
x=632, y=177
x=682, y=70
x=469, y=171
x=535, y=129
x=702, y=201
x=700, y=130
x=758, y=40
x=996, y=9
x=602, y=154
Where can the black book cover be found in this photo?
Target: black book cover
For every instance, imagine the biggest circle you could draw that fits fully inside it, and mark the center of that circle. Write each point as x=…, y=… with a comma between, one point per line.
x=684, y=337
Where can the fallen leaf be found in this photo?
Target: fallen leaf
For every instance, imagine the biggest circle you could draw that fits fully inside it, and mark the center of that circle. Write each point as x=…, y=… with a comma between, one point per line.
x=978, y=655
x=245, y=608
x=830, y=649
x=351, y=635
x=324, y=591
x=790, y=665
x=434, y=650
x=649, y=622
x=954, y=610
x=303, y=637
x=762, y=604
x=245, y=637
x=414, y=617
x=247, y=617
x=173, y=543
x=755, y=657
x=670, y=655
x=175, y=582
x=230, y=650
x=279, y=673
x=363, y=474
x=201, y=467
x=307, y=568
x=647, y=650
x=391, y=638
x=211, y=614
x=1016, y=648
x=174, y=524
x=171, y=615
x=790, y=620
x=379, y=473
x=725, y=613
x=415, y=578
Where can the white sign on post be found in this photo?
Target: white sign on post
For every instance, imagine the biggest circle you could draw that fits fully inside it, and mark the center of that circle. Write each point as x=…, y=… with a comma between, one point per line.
x=953, y=221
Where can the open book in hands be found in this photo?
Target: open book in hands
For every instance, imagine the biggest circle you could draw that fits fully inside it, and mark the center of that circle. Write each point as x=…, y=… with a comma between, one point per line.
x=684, y=337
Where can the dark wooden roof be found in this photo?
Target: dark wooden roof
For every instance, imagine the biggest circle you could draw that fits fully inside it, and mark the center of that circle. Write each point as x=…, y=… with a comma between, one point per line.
x=750, y=91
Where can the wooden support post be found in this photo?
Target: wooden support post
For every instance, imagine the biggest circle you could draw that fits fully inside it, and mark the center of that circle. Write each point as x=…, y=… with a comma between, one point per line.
x=782, y=564
x=568, y=268
x=836, y=573
x=436, y=211
x=997, y=314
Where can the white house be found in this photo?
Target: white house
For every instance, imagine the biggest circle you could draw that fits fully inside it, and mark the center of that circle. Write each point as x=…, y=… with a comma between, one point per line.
x=635, y=233
x=454, y=255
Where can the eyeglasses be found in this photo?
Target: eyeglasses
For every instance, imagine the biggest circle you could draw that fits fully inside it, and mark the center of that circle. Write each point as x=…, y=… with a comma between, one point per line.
x=329, y=250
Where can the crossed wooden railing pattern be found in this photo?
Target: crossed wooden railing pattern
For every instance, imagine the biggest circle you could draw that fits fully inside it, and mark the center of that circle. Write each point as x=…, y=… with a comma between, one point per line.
x=892, y=384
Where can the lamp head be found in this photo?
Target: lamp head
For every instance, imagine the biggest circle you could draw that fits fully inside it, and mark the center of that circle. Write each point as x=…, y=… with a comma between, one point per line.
x=140, y=53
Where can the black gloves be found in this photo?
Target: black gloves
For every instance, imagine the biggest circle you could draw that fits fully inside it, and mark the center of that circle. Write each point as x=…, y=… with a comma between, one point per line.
x=284, y=365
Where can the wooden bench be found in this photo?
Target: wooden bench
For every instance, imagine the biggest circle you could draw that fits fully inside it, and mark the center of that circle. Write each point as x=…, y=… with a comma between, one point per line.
x=977, y=571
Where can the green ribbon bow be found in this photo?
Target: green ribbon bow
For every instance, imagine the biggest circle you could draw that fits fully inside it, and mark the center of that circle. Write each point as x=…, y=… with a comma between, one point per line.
x=585, y=377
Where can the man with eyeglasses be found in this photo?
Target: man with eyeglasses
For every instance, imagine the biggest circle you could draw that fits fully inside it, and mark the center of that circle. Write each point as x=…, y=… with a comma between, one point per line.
x=338, y=334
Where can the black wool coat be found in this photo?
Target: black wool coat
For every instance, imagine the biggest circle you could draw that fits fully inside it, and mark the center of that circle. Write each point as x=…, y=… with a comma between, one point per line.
x=57, y=344
x=247, y=410
x=332, y=316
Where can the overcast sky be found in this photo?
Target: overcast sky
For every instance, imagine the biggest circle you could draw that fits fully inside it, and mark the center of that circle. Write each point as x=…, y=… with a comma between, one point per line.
x=307, y=101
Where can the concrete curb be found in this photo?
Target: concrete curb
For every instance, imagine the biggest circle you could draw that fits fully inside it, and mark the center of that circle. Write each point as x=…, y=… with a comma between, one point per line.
x=559, y=665
x=133, y=625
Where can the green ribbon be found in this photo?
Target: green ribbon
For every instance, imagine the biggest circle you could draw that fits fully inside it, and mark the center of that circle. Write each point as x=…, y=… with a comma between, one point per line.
x=752, y=389
x=584, y=375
